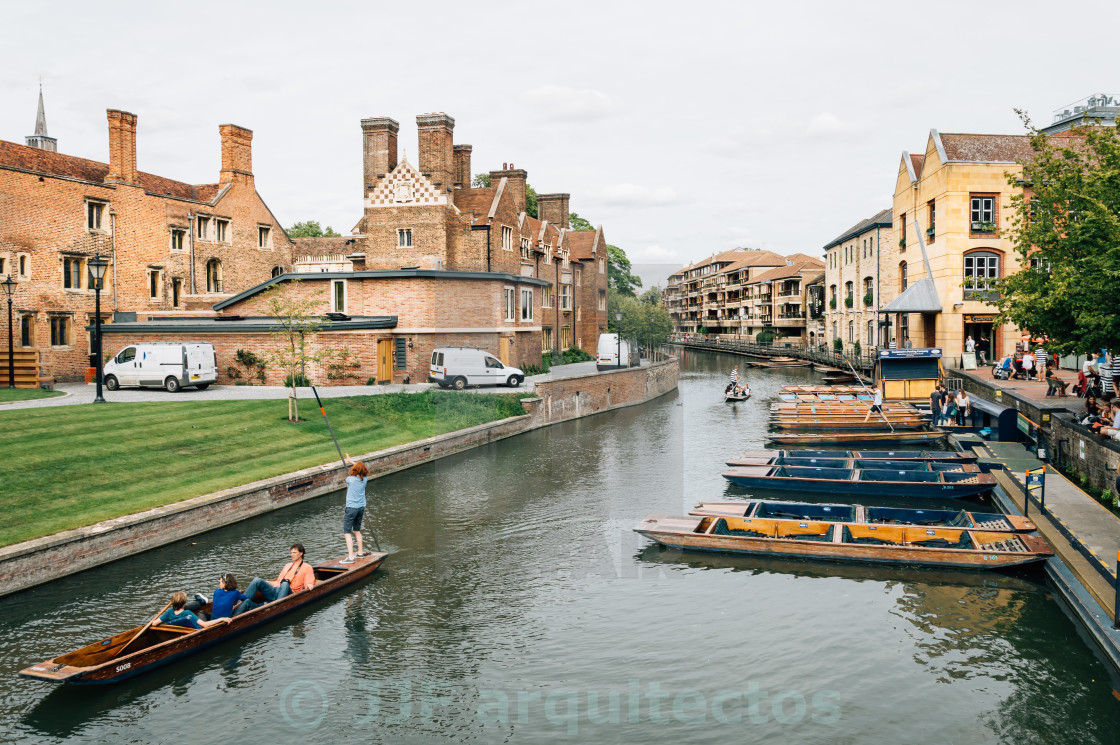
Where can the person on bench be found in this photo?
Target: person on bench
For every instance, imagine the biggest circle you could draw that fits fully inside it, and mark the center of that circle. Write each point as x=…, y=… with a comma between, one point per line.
x=297, y=575
x=178, y=615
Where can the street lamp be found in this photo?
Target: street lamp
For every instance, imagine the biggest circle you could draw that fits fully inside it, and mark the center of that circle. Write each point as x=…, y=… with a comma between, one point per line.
x=97, y=272
x=10, y=287
x=618, y=336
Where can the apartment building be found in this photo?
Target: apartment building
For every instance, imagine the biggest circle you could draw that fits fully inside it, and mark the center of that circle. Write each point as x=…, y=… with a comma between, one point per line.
x=851, y=281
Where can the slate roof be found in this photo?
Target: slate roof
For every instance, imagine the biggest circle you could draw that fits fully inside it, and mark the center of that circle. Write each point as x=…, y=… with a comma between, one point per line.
x=882, y=219
x=51, y=163
x=785, y=272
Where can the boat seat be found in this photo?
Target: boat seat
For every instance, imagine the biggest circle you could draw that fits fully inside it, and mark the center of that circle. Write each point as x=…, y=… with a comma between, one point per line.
x=873, y=535
x=173, y=628
x=721, y=528
x=942, y=540
x=806, y=531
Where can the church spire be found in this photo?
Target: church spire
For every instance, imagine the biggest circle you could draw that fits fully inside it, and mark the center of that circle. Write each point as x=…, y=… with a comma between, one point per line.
x=40, y=138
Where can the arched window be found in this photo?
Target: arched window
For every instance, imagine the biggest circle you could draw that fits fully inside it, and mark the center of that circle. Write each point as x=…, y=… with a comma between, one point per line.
x=851, y=331
x=902, y=275
x=981, y=269
x=277, y=271
x=213, y=276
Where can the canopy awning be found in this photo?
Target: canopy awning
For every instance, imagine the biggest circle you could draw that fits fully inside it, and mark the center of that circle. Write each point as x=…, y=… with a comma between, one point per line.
x=920, y=297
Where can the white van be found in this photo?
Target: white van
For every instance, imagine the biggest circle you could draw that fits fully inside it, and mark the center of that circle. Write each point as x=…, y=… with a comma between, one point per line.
x=458, y=367
x=165, y=364
x=610, y=349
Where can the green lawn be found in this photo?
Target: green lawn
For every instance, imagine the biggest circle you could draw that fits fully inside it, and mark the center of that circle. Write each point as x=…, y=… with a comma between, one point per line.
x=68, y=466
x=26, y=394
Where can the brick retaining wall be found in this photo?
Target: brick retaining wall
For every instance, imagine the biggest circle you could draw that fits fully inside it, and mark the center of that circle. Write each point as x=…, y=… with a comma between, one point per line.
x=34, y=562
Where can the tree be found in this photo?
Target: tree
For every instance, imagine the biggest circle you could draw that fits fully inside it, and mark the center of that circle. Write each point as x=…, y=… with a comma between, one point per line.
x=1065, y=228
x=296, y=319
x=619, y=274
x=481, y=180
x=578, y=223
x=311, y=229
x=531, y=201
x=645, y=321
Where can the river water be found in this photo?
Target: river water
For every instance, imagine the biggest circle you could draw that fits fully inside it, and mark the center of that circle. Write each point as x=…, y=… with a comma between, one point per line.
x=518, y=606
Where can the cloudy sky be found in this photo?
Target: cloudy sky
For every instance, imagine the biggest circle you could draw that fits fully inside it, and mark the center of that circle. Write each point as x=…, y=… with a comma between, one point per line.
x=684, y=129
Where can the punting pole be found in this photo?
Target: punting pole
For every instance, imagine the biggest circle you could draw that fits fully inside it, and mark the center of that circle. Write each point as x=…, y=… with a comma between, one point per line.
x=864, y=387
x=323, y=409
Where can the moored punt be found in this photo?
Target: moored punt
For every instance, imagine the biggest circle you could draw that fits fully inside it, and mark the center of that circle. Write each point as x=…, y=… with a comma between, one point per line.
x=949, y=484
x=811, y=539
x=870, y=463
x=856, y=437
x=788, y=362
x=847, y=425
x=857, y=513
x=779, y=457
x=126, y=654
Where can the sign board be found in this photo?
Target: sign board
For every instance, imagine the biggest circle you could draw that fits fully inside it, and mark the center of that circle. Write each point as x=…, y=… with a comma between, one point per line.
x=916, y=353
x=973, y=318
x=968, y=361
x=1024, y=425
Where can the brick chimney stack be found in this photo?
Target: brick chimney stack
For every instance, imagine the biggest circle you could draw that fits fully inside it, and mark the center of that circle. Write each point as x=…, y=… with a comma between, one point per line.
x=237, y=154
x=554, y=209
x=516, y=179
x=463, y=166
x=379, y=149
x=122, y=148
x=437, y=149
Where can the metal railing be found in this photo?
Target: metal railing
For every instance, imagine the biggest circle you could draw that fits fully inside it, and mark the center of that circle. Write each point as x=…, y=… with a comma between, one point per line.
x=863, y=362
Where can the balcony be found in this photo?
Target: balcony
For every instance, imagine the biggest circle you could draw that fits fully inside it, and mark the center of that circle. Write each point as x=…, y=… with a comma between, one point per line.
x=792, y=319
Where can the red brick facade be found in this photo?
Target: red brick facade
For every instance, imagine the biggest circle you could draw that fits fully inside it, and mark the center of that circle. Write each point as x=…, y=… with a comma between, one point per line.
x=58, y=211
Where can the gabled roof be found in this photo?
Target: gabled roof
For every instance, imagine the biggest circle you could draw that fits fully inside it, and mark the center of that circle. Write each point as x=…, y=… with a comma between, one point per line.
x=478, y=202
x=785, y=272
x=582, y=243
x=35, y=160
x=806, y=258
x=882, y=219
x=973, y=148
x=916, y=162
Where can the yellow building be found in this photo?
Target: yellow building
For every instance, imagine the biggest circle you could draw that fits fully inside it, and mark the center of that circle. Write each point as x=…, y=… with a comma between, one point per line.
x=956, y=194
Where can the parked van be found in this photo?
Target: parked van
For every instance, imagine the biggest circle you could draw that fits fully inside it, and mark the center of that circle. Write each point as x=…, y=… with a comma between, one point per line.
x=165, y=364
x=458, y=367
x=610, y=349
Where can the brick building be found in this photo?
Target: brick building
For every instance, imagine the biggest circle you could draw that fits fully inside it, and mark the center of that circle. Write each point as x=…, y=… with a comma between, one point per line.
x=432, y=262
x=173, y=248
x=852, y=283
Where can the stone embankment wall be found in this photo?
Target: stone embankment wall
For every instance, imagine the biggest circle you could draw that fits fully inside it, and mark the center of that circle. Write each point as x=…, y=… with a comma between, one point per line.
x=33, y=562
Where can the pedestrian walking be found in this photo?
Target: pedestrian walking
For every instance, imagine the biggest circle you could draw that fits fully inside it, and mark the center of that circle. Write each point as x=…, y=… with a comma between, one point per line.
x=964, y=407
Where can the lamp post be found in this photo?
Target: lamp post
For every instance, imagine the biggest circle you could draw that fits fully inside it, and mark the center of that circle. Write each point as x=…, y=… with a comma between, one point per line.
x=618, y=335
x=97, y=272
x=9, y=287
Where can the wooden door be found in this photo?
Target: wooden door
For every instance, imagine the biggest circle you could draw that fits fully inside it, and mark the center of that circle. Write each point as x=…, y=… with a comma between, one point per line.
x=503, y=348
x=384, y=360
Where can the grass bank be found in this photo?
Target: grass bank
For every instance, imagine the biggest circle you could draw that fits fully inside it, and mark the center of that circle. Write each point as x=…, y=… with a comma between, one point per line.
x=69, y=466
x=26, y=394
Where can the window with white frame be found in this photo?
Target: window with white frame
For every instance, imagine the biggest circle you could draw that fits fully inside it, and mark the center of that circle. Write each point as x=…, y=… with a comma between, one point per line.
x=548, y=254
x=507, y=238
x=983, y=213
x=511, y=313
x=221, y=231
x=202, y=228
x=338, y=296
x=981, y=270
x=525, y=249
x=178, y=239
x=95, y=212
x=404, y=237
x=264, y=236
x=526, y=305
x=565, y=297
x=546, y=298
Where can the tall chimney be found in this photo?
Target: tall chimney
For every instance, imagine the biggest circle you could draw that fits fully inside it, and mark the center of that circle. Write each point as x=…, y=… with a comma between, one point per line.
x=237, y=154
x=379, y=149
x=463, y=166
x=554, y=209
x=515, y=182
x=122, y=148
x=437, y=149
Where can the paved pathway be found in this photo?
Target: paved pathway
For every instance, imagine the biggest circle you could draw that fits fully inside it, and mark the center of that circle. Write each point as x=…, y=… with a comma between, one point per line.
x=1034, y=391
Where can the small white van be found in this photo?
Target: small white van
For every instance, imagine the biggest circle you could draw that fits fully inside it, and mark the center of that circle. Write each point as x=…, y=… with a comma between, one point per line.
x=458, y=367
x=165, y=364
x=609, y=350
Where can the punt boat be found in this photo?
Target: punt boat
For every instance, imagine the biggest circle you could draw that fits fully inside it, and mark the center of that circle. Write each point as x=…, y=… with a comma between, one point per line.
x=743, y=396
x=143, y=648
x=853, y=425
x=946, y=480
x=954, y=466
x=779, y=457
x=833, y=438
x=788, y=362
x=815, y=539
x=857, y=513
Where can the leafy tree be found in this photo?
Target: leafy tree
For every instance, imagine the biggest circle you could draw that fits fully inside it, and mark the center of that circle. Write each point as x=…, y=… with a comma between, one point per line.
x=619, y=274
x=1065, y=227
x=311, y=229
x=481, y=180
x=578, y=223
x=647, y=322
x=296, y=319
x=531, y=201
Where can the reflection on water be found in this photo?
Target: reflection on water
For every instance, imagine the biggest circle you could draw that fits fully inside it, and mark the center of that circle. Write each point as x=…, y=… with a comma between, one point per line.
x=518, y=605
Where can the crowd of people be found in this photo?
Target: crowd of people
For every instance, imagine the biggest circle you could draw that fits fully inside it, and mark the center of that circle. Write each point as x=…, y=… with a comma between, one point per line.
x=1099, y=374
x=949, y=407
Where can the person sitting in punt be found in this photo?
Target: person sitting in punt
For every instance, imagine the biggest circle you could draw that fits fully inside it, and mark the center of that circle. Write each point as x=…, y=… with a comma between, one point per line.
x=226, y=596
x=297, y=575
x=178, y=615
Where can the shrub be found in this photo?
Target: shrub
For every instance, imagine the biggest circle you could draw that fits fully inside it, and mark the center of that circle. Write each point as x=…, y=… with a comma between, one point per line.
x=301, y=381
x=254, y=365
x=575, y=354
x=545, y=366
x=856, y=348
x=869, y=298
x=233, y=372
x=371, y=381
x=837, y=345
x=832, y=303
x=849, y=301
x=766, y=336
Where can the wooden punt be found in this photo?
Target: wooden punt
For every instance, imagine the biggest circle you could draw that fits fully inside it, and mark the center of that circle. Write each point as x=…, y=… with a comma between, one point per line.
x=953, y=466
x=732, y=397
x=103, y=661
x=894, y=438
x=944, y=480
x=880, y=544
x=856, y=425
x=779, y=457
x=788, y=362
x=857, y=513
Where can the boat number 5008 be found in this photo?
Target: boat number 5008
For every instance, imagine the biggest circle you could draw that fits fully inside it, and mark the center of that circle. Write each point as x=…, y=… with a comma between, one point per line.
x=125, y=666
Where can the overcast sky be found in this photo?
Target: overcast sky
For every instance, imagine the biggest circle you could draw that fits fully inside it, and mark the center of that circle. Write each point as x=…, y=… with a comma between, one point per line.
x=683, y=128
